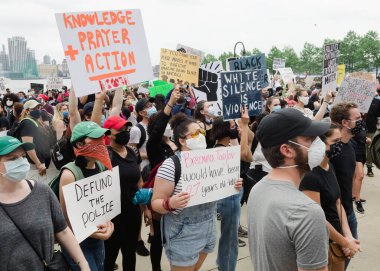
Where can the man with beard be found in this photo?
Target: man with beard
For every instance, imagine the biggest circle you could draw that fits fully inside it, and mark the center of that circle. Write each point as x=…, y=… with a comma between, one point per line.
x=286, y=229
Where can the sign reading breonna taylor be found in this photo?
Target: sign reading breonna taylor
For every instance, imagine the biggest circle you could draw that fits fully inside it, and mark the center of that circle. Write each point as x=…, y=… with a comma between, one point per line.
x=92, y=201
x=241, y=88
x=107, y=48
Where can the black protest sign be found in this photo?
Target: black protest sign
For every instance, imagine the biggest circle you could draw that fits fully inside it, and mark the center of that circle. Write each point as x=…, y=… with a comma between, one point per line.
x=38, y=88
x=330, y=67
x=256, y=62
x=241, y=88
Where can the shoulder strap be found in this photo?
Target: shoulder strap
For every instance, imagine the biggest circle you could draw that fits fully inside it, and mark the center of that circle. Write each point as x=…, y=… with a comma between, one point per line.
x=101, y=166
x=32, y=120
x=177, y=170
x=143, y=135
x=22, y=233
x=78, y=174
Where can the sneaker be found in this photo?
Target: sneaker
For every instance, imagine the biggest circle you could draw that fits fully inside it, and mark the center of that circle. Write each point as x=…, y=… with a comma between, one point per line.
x=241, y=243
x=359, y=207
x=370, y=172
x=363, y=201
x=141, y=249
x=218, y=216
x=149, y=239
x=242, y=232
x=116, y=266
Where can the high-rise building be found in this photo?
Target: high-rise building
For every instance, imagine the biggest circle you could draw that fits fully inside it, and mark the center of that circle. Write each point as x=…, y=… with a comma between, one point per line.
x=17, y=54
x=46, y=59
x=65, y=69
x=31, y=65
x=53, y=62
x=4, y=60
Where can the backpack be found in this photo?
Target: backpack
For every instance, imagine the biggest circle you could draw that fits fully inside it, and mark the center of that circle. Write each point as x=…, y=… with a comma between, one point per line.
x=62, y=153
x=143, y=135
x=15, y=130
x=177, y=174
x=78, y=174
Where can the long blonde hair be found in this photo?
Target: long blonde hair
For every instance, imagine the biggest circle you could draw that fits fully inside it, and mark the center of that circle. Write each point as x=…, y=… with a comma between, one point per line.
x=57, y=113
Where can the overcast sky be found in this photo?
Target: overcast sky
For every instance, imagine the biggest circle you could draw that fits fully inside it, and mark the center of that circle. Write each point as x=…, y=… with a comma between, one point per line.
x=213, y=26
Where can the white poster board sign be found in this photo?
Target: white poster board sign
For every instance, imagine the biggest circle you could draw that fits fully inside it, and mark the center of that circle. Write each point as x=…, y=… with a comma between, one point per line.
x=142, y=90
x=330, y=67
x=210, y=175
x=287, y=75
x=105, y=46
x=358, y=91
x=2, y=84
x=92, y=201
x=188, y=50
x=54, y=83
x=278, y=63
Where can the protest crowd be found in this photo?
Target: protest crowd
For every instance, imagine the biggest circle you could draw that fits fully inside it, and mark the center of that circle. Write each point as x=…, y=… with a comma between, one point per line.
x=294, y=155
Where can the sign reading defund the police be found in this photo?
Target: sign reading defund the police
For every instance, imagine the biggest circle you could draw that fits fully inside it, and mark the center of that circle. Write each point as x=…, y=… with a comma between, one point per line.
x=92, y=201
x=210, y=175
x=257, y=62
x=241, y=88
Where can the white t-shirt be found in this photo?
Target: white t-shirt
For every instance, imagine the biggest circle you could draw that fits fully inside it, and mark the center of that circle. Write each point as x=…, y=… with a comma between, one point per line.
x=135, y=139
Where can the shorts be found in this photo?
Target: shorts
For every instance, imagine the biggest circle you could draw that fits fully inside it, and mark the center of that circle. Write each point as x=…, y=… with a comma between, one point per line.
x=184, y=239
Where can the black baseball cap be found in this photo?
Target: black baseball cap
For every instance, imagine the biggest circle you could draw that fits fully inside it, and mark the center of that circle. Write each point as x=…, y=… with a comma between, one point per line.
x=88, y=107
x=283, y=125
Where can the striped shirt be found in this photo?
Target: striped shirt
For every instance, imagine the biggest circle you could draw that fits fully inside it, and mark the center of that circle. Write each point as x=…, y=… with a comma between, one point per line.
x=167, y=172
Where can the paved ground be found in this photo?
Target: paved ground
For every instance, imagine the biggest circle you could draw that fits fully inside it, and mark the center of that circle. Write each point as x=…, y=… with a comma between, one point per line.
x=369, y=235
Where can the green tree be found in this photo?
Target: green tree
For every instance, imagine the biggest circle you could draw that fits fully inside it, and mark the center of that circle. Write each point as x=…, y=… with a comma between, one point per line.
x=209, y=58
x=369, y=51
x=223, y=57
x=311, y=59
x=291, y=59
x=273, y=53
x=349, y=51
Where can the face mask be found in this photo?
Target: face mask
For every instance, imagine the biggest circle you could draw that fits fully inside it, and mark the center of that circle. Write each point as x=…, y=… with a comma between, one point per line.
x=9, y=103
x=234, y=133
x=335, y=150
x=168, y=131
x=122, y=138
x=151, y=111
x=276, y=108
x=359, y=126
x=315, y=153
x=95, y=149
x=198, y=143
x=212, y=112
x=36, y=114
x=65, y=114
x=304, y=100
x=16, y=170
x=265, y=95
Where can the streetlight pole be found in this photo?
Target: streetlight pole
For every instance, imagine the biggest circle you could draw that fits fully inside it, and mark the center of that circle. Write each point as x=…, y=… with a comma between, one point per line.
x=235, y=48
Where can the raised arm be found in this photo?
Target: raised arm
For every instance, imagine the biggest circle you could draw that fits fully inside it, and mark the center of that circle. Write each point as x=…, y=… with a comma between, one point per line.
x=322, y=109
x=117, y=102
x=98, y=106
x=73, y=109
x=246, y=153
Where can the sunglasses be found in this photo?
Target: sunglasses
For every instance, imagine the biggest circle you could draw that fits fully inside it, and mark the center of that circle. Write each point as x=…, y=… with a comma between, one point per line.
x=196, y=134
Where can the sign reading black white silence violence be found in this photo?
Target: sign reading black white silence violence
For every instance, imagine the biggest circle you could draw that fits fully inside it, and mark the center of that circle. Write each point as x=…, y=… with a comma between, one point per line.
x=92, y=201
x=241, y=88
x=330, y=67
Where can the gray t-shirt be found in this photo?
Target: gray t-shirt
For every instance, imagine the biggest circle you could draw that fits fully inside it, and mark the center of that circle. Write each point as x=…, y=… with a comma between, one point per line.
x=39, y=216
x=286, y=229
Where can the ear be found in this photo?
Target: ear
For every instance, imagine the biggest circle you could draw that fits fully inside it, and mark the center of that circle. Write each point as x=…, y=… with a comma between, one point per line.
x=287, y=151
x=182, y=141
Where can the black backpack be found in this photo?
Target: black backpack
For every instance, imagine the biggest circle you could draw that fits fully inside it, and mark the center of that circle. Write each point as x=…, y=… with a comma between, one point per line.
x=15, y=130
x=143, y=135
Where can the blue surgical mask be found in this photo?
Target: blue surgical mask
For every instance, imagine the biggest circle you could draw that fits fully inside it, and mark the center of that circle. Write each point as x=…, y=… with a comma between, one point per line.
x=16, y=170
x=65, y=114
x=276, y=108
x=151, y=111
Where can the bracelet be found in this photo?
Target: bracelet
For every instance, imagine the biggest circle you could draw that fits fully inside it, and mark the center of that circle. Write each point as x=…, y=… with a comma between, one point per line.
x=326, y=102
x=166, y=205
x=168, y=104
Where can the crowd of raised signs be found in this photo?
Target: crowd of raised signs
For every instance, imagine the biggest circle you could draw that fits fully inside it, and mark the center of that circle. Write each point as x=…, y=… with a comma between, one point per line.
x=303, y=160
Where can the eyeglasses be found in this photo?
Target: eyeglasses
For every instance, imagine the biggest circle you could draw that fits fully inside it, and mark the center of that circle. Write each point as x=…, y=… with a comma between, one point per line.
x=355, y=120
x=196, y=134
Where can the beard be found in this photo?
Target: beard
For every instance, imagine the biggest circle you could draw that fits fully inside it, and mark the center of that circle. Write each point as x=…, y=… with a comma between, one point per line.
x=302, y=161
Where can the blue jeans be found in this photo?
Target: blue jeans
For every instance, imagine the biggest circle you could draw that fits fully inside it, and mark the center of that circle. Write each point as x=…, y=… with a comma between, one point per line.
x=229, y=208
x=93, y=250
x=353, y=223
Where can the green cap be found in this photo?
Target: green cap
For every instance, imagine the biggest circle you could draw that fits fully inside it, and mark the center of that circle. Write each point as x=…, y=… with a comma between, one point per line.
x=8, y=144
x=87, y=129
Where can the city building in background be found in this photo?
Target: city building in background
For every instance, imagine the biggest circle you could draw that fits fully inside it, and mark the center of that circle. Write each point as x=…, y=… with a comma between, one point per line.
x=47, y=70
x=46, y=59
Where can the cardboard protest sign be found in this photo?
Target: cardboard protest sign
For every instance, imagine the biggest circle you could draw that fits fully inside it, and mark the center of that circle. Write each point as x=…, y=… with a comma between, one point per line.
x=177, y=66
x=143, y=90
x=330, y=67
x=54, y=83
x=363, y=75
x=358, y=91
x=341, y=73
x=2, y=84
x=92, y=201
x=209, y=87
x=287, y=75
x=256, y=62
x=210, y=175
x=160, y=87
x=278, y=63
x=241, y=88
x=104, y=45
x=188, y=50
x=38, y=88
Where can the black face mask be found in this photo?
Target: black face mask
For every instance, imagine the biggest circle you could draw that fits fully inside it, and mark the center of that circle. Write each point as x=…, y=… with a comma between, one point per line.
x=359, y=126
x=36, y=114
x=335, y=150
x=122, y=138
x=234, y=133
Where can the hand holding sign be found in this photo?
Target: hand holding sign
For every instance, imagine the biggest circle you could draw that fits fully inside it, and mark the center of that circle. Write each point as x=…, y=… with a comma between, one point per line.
x=208, y=83
x=179, y=201
x=239, y=184
x=104, y=231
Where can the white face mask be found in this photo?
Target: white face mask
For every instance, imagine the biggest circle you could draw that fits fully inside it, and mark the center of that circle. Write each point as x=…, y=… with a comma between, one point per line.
x=16, y=170
x=168, y=131
x=198, y=143
x=315, y=153
x=212, y=112
x=304, y=100
x=9, y=103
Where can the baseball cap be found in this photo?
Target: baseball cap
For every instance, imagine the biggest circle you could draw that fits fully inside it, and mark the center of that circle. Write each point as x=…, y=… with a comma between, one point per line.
x=116, y=122
x=280, y=126
x=140, y=105
x=88, y=129
x=8, y=144
x=43, y=96
x=88, y=107
x=31, y=104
